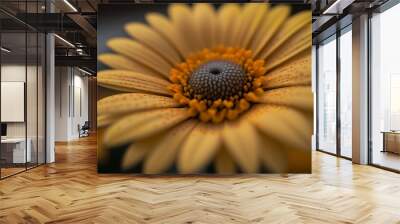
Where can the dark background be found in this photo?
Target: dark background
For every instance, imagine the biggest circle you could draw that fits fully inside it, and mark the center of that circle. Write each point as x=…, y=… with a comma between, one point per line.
x=111, y=20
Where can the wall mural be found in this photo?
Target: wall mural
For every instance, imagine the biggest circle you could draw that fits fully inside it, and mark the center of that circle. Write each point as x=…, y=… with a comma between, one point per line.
x=204, y=88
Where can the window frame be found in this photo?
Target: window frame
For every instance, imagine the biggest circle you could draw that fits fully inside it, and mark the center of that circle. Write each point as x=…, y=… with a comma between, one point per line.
x=334, y=37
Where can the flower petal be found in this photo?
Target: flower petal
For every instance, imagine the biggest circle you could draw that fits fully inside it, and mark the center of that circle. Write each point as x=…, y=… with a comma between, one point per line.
x=165, y=153
x=154, y=41
x=299, y=50
x=105, y=120
x=102, y=154
x=299, y=97
x=131, y=81
x=227, y=18
x=303, y=124
x=288, y=30
x=121, y=62
x=163, y=26
x=206, y=26
x=251, y=18
x=133, y=102
x=183, y=21
x=269, y=120
x=242, y=141
x=292, y=73
x=141, y=54
x=199, y=148
x=136, y=153
x=274, y=19
x=295, y=46
x=142, y=125
x=273, y=156
x=224, y=163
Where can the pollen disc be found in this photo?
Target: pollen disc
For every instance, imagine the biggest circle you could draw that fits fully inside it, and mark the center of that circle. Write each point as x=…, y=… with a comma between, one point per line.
x=218, y=79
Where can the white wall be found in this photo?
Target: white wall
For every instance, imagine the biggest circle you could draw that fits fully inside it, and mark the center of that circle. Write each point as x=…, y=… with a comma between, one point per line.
x=71, y=102
x=12, y=73
x=33, y=126
x=50, y=94
x=16, y=73
x=13, y=100
x=80, y=109
x=61, y=103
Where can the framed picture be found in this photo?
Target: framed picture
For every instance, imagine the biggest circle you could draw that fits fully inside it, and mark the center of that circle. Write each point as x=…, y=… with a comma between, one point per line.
x=204, y=88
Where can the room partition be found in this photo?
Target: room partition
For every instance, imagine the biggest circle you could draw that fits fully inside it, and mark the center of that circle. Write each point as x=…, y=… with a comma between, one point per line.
x=23, y=89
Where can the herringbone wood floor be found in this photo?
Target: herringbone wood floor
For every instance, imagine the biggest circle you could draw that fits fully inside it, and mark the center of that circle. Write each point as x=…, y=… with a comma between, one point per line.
x=70, y=191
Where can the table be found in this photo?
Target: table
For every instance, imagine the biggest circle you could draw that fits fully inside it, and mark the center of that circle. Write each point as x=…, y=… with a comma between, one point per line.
x=18, y=149
x=391, y=141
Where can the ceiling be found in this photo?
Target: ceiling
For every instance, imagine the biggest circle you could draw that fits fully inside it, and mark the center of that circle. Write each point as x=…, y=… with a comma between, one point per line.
x=76, y=21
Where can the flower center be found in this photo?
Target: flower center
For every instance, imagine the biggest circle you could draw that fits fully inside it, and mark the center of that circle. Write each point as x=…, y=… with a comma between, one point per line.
x=218, y=80
x=218, y=83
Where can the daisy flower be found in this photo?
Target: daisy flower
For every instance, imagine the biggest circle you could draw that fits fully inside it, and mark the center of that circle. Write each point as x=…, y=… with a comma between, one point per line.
x=227, y=88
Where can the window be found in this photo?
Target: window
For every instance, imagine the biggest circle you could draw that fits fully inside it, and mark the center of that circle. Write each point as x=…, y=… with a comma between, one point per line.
x=327, y=96
x=346, y=93
x=334, y=66
x=385, y=89
x=394, y=101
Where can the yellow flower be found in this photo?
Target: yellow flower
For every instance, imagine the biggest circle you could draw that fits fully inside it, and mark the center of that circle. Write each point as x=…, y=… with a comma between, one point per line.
x=227, y=87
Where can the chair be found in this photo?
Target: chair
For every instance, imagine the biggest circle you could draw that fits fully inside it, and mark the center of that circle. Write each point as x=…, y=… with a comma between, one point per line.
x=84, y=130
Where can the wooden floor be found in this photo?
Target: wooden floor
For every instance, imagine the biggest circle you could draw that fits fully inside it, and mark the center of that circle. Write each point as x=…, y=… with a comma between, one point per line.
x=5, y=172
x=8, y=171
x=70, y=191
